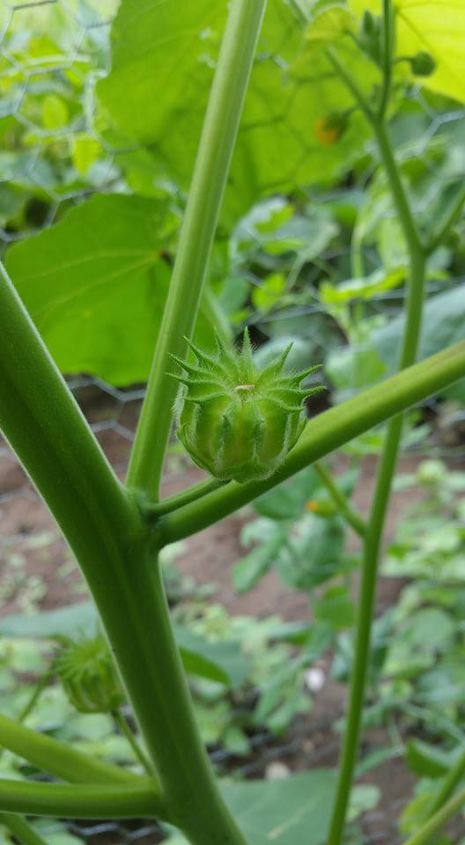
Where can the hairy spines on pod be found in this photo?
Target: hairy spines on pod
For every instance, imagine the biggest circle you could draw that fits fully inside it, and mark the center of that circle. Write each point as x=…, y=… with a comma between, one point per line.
x=236, y=421
x=88, y=675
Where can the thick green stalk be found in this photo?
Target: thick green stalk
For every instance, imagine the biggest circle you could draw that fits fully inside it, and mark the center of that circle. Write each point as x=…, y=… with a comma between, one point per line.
x=198, y=229
x=322, y=435
x=351, y=517
x=55, y=800
x=21, y=829
x=436, y=822
x=114, y=548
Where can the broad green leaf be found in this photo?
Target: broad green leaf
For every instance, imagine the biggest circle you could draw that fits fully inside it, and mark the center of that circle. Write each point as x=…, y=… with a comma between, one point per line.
x=293, y=811
x=426, y=759
x=164, y=55
x=95, y=285
x=434, y=26
x=219, y=661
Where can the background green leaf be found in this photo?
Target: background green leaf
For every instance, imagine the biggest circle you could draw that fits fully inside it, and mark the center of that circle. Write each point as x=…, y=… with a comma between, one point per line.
x=95, y=285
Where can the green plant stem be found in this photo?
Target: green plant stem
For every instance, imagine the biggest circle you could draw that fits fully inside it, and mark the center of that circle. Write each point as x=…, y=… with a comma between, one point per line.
x=351, y=84
x=115, y=550
x=388, y=33
x=451, y=780
x=322, y=435
x=375, y=526
x=130, y=801
x=349, y=514
x=21, y=829
x=452, y=216
x=121, y=723
x=184, y=498
x=425, y=834
x=205, y=196
x=57, y=758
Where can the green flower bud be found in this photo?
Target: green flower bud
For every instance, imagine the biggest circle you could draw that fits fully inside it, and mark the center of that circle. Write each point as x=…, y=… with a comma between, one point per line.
x=88, y=676
x=422, y=64
x=236, y=421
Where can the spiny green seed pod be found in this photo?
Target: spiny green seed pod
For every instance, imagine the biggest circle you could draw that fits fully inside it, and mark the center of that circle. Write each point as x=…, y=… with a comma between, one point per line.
x=236, y=421
x=88, y=676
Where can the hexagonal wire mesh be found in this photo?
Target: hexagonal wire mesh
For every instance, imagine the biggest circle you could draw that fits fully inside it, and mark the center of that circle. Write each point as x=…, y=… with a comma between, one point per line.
x=55, y=156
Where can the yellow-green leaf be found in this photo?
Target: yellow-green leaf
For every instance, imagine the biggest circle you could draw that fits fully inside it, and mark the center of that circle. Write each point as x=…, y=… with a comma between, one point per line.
x=435, y=26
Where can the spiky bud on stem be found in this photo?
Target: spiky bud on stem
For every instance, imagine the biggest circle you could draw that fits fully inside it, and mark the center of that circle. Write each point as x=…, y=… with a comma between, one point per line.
x=88, y=675
x=236, y=421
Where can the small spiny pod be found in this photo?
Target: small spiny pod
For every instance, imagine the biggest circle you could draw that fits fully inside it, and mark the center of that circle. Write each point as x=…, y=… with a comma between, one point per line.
x=88, y=675
x=235, y=420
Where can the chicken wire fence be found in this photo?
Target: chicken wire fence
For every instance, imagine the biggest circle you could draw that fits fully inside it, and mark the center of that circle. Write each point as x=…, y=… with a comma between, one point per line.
x=52, y=54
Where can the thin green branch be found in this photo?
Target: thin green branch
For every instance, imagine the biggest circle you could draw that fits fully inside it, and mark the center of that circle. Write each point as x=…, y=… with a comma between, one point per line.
x=452, y=216
x=351, y=84
x=434, y=824
x=388, y=46
x=21, y=829
x=197, y=491
x=206, y=193
x=58, y=759
x=451, y=780
x=324, y=434
x=354, y=519
x=130, y=801
x=126, y=731
x=399, y=194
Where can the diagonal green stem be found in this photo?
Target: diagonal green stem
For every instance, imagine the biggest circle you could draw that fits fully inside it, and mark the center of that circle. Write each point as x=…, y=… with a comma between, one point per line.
x=121, y=723
x=58, y=759
x=351, y=516
x=130, y=801
x=206, y=193
x=191, y=494
x=435, y=823
x=451, y=780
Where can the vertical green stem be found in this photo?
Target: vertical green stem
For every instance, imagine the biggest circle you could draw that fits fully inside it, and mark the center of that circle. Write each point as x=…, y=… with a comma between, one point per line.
x=204, y=202
x=374, y=530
